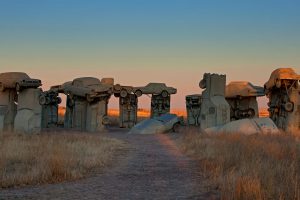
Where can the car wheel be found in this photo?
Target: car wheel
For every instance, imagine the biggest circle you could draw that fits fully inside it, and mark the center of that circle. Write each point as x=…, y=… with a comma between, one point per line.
x=251, y=113
x=138, y=93
x=42, y=100
x=123, y=93
x=58, y=100
x=18, y=87
x=105, y=120
x=117, y=87
x=176, y=127
x=289, y=106
x=164, y=94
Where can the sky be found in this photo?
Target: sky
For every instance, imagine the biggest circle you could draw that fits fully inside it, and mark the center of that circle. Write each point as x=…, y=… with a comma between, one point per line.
x=139, y=41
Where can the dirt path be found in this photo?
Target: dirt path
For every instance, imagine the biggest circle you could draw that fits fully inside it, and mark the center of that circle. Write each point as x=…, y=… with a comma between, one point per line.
x=153, y=168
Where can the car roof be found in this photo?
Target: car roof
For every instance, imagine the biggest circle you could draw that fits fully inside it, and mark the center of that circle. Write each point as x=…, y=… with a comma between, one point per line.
x=86, y=81
x=14, y=75
x=156, y=84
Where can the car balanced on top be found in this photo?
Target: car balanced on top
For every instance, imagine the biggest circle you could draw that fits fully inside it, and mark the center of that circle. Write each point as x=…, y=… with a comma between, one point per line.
x=17, y=81
x=156, y=89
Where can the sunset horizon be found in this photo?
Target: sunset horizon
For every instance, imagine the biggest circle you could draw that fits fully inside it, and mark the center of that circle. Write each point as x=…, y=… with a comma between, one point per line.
x=150, y=99
x=172, y=42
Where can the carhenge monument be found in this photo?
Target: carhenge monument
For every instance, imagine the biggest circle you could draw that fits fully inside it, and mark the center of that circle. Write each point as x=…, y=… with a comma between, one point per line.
x=29, y=112
x=50, y=102
x=128, y=105
x=240, y=95
x=283, y=91
x=193, y=109
x=160, y=97
x=242, y=98
x=87, y=100
x=19, y=103
x=24, y=107
x=8, y=99
x=215, y=111
x=160, y=104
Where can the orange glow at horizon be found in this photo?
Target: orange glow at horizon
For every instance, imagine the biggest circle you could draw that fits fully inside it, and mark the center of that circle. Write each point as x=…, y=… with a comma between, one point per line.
x=263, y=112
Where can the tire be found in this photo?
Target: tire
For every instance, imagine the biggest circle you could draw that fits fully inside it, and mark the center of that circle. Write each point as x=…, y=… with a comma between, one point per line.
x=164, y=94
x=58, y=100
x=105, y=120
x=251, y=113
x=176, y=127
x=237, y=114
x=123, y=93
x=117, y=87
x=138, y=93
x=289, y=106
x=18, y=87
x=42, y=100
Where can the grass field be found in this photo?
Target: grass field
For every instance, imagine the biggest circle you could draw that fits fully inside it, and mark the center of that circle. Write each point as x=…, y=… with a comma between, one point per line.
x=248, y=167
x=50, y=158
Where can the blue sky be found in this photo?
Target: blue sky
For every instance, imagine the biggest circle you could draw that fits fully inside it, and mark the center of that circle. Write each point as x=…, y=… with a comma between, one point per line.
x=136, y=42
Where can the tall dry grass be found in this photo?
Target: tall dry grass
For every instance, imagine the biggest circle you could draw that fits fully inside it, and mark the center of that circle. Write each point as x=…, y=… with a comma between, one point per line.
x=248, y=167
x=49, y=158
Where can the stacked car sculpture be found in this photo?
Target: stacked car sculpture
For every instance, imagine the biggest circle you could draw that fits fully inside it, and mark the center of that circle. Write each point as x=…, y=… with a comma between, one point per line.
x=24, y=107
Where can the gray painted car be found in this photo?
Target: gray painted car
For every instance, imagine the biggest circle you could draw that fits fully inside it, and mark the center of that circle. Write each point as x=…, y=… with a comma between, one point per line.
x=17, y=80
x=88, y=87
x=279, y=77
x=162, y=124
x=155, y=88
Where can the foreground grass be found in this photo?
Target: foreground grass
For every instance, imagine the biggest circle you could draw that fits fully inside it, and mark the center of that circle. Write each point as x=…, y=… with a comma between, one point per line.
x=248, y=167
x=50, y=158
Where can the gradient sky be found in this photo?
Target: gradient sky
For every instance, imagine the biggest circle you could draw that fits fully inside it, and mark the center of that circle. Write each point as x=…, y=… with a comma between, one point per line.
x=139, y=41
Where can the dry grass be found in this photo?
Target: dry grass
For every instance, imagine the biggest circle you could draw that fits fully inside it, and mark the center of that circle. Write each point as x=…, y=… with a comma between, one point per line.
x=50, y=158
x=248, y=167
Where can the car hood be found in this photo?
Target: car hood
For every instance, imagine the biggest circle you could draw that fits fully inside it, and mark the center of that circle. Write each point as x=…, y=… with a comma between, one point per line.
x=159, y=124
x=281, y=73
x=244, y=89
